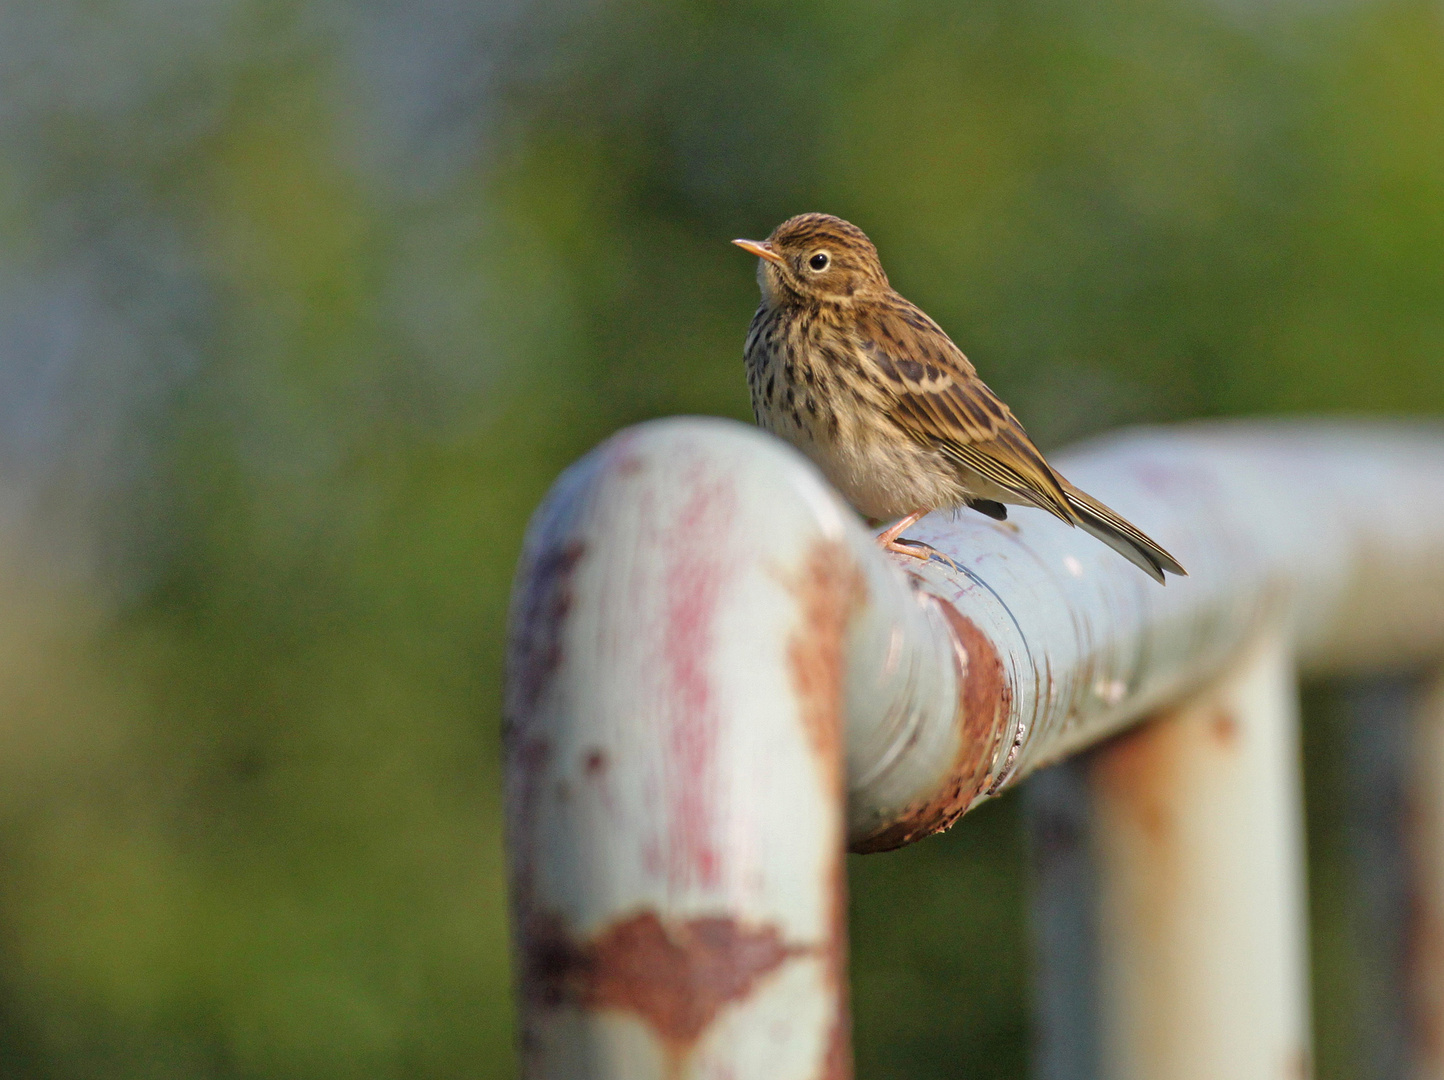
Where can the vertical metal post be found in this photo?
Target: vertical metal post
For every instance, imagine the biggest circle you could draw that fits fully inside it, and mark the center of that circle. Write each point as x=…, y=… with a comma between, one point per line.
x=1379, y=714
x=675, y=767
x=1063, y=917
x=1426, y=938
x=1202, y=916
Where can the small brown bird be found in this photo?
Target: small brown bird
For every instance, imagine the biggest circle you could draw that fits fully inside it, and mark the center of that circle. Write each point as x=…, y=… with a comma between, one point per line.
x=873, y=391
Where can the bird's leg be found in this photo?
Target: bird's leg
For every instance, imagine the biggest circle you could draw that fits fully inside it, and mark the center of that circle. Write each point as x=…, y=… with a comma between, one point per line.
x=888, y=541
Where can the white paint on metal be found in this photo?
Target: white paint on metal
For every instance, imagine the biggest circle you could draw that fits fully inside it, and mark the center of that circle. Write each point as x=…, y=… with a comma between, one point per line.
x=1199, y=842
x=681, y=623
x=1334, y=531
x=676, y=625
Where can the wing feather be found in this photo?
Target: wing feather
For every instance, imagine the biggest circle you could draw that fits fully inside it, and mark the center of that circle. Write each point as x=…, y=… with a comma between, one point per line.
x=939, y=400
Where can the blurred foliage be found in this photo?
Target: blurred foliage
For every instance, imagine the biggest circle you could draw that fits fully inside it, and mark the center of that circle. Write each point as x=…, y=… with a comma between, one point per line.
x=304, y=304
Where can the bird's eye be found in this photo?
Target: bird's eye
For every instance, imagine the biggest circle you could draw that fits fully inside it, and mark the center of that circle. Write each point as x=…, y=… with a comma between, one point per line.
x=819, y=261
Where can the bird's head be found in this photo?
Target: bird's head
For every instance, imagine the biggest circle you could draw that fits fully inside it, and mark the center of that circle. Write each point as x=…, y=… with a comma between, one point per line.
x=816, y=257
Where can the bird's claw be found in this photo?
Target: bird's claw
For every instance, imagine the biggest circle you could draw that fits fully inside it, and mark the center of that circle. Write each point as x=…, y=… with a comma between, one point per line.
x=916, y=549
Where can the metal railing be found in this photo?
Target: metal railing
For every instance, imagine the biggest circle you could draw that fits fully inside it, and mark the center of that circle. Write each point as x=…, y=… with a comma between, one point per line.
x=717, y=683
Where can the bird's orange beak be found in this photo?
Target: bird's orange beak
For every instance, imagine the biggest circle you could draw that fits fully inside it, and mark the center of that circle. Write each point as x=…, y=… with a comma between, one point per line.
x=761, y=248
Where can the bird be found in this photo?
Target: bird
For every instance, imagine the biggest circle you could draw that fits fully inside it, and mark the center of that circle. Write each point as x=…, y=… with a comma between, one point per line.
x=873, y=391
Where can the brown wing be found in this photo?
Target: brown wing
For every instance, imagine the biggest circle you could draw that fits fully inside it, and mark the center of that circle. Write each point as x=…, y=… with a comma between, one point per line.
x=939, y=400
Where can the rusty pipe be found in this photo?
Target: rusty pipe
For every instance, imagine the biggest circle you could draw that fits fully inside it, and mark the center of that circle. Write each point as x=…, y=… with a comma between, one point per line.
x=715, y=676
x=1333, y=532
x=687, y=604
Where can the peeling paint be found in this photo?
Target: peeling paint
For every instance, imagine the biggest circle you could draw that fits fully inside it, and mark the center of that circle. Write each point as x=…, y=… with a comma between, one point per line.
x=1425, y=932
x=1199, y=842
x=527, y=761
x=1299, y=1066
x=1071, y=638
x=674, y=976
x=538, y=617
x=697, y=570
x=1224, y=729
x=985, y=702
x=838, y=1064
x=1134, y=772
x=829, y=590
x=645, y=880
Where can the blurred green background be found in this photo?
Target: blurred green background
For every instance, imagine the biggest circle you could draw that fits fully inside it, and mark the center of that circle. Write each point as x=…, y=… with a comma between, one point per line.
x=304, y=304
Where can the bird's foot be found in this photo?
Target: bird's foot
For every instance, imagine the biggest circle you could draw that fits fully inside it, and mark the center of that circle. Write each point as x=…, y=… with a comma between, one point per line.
x=889, y=540
x=916, y=549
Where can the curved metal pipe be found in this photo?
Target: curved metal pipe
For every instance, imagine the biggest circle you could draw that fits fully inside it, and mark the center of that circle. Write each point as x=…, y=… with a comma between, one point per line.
x=1332, y=531
x=715, y=676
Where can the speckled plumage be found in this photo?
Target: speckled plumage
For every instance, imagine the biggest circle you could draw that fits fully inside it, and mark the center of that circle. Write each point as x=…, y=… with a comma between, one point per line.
x=872, y=390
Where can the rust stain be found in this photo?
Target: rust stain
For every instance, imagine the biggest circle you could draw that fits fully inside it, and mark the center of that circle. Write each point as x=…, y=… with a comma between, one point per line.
x=527, y=765
x=830, y=588
x=538, y=618
x=595, y=763
x=1134, y=773
x=528, y=760
x=622, y=457
x=1424, y=934
x=1426, y=960
x=1224, y=729
x=985, y=700
x=676, y=977
x=837, y=1064
x=694, y=580
x=1299, y=1065
x=1138, y=779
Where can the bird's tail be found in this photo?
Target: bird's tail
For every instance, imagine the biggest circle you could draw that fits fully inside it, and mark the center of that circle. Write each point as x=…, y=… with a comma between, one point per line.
x=1119, y=534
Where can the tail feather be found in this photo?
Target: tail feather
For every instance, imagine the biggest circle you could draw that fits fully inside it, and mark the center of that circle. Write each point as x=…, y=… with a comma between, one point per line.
x=1121, y=535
